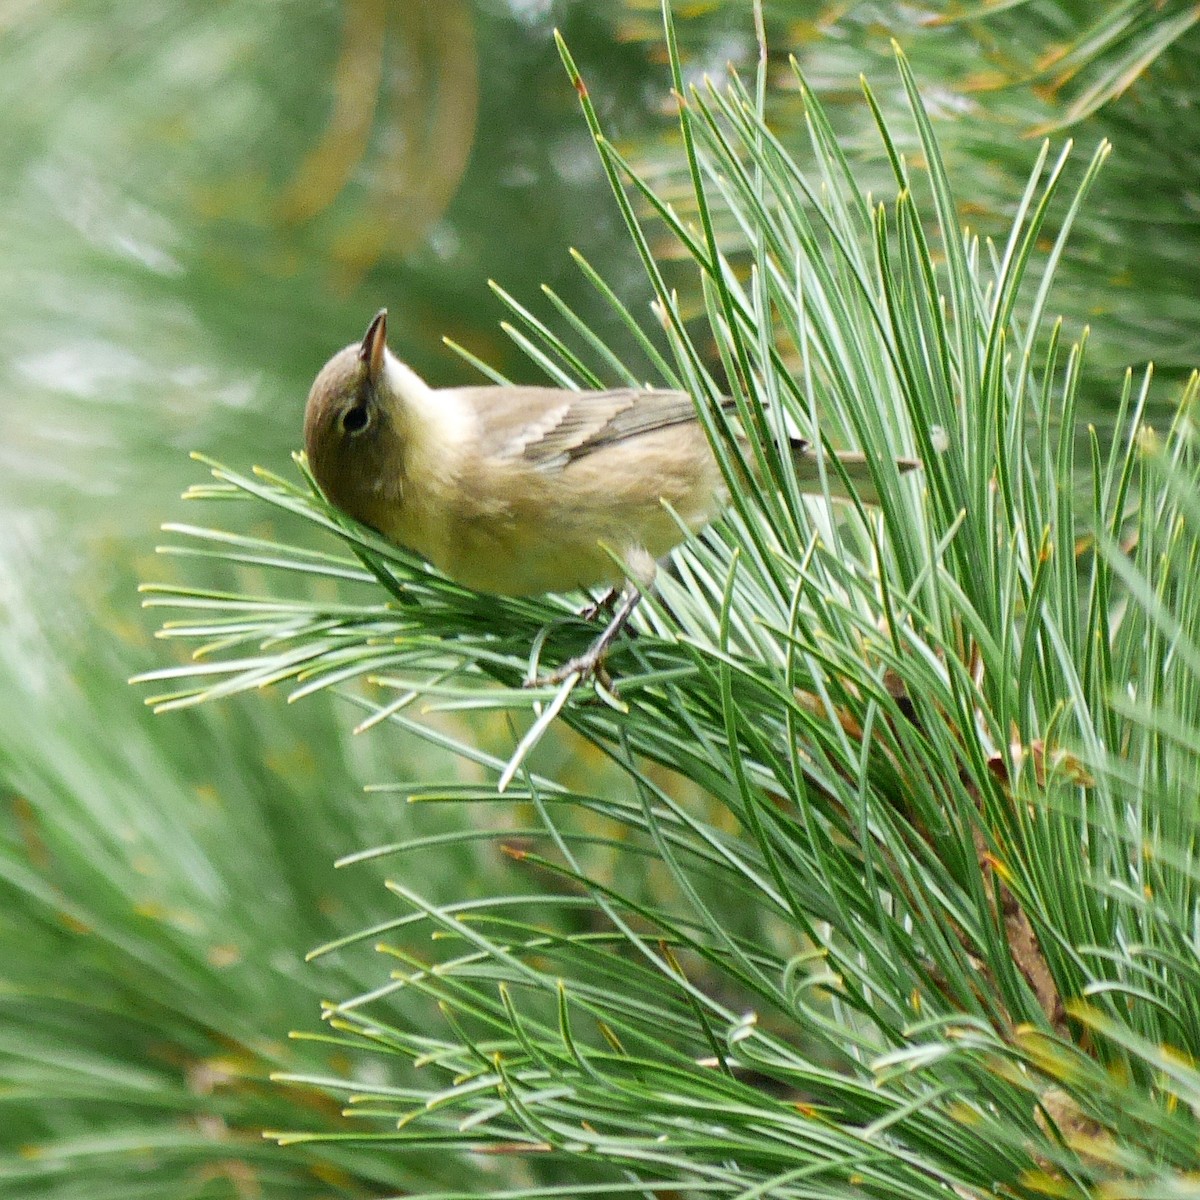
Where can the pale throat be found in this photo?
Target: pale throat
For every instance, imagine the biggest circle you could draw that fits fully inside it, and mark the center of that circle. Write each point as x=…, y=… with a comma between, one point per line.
x=402, y=381
x=434, y=424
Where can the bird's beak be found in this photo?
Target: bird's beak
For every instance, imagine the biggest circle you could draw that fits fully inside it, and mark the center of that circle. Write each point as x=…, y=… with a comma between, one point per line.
x=374, y=344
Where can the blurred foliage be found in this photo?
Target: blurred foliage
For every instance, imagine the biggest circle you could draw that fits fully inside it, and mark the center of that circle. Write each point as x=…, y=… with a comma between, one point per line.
x=200, y=201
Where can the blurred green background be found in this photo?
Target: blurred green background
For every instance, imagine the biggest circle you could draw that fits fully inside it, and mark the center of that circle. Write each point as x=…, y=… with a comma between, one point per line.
x=199, y=202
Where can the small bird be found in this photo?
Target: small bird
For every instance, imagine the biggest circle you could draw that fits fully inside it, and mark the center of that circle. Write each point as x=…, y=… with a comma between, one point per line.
x=523, y=490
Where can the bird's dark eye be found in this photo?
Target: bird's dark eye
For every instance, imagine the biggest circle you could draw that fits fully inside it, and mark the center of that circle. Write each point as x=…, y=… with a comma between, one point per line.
x=355, y=420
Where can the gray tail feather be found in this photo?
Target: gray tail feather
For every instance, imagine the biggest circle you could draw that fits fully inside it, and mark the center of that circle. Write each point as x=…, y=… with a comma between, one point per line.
x=855, y=468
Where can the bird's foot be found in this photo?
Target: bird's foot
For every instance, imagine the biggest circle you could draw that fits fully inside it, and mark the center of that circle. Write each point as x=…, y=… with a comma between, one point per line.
x=604, y=604
x=590, y=664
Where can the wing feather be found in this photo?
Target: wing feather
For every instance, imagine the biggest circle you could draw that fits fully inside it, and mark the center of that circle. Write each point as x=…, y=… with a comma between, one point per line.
x=549, y=427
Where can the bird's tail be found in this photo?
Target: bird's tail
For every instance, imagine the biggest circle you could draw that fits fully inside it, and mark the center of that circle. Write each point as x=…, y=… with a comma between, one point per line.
x=851, y=474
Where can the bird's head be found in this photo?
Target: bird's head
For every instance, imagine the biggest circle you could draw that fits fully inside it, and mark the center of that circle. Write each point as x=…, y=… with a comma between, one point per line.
x=351, y=432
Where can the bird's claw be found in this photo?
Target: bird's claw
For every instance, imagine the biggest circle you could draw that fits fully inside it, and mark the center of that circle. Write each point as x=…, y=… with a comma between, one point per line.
x=605, y=603
x=588, y=666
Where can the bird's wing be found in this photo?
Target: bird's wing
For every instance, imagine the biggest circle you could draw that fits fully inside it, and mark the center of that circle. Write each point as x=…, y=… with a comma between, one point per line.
x=549, y=427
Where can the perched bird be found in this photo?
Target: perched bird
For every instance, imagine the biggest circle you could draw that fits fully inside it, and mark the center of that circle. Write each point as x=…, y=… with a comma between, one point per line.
x=522, y=490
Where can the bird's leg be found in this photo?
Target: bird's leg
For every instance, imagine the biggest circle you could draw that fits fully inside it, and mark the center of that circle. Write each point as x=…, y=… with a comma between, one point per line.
x=589, y=612
x=591, y=661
